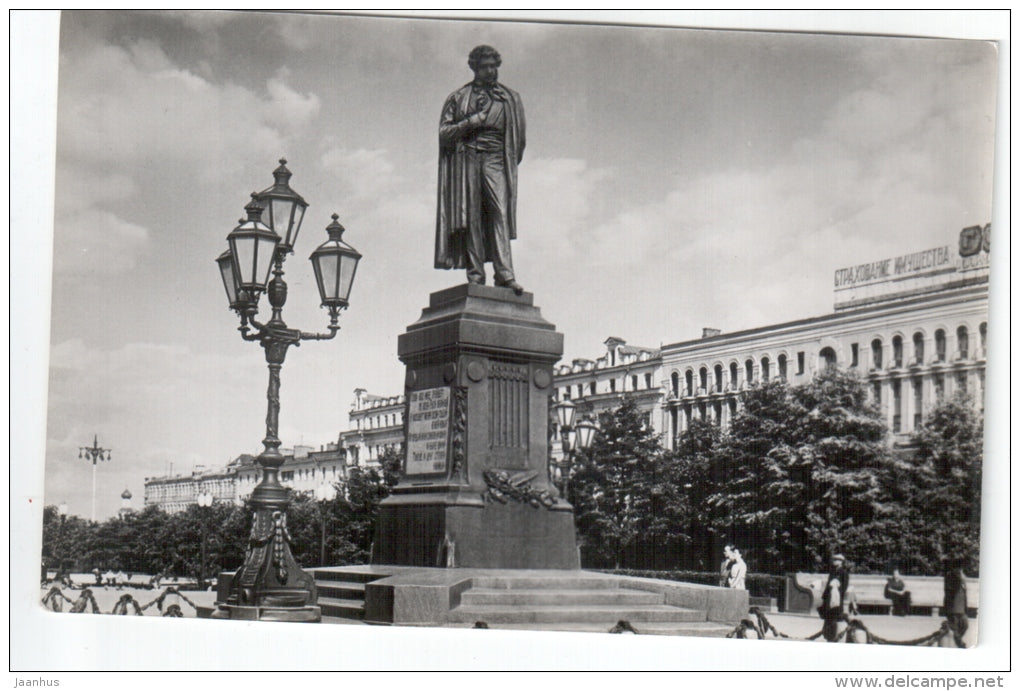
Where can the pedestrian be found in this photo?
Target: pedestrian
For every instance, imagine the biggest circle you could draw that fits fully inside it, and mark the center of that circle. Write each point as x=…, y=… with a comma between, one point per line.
x=896, y=590
x=738, y=571
x=955, y=599
x=727, y=564
x=834, y=596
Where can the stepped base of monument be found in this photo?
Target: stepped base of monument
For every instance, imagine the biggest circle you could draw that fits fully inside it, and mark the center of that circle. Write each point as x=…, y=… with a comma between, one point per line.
x=539, y=599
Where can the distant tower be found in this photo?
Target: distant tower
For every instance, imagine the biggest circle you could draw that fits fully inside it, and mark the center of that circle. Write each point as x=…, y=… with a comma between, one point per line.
x=125, y=503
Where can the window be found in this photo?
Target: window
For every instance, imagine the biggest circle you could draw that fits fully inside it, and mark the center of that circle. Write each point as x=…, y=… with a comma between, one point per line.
x=828, y=357
x=566, y=393
x=648, y=381
x=689, y=380
x=287, y=475
x=940, y=386
x=782, y=367
x=961, y=342
x=876, y=393
x=961, y=382
x=800, y=362
x=897, y=351
x=940, y=346
x=749, y=371
x=612, y=385
x=765, y=369
x=733, y=376
x=918, y=348
x=876, y=354
x=983, y=333
x=854, y=355
x=633, y=382
x=897, y=424
x=591, y=387
x=733, y=408
x=718, y=378
x=717, y=412
x=675, y=383
x=580, y=390
x=918, y=402
x=703, y=378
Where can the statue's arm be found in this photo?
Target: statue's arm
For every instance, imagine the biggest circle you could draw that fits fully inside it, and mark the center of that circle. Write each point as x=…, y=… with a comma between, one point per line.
x=452, y=130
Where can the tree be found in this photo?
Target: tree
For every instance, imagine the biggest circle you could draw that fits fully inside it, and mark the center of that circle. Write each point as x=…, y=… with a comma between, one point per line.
x=800, y=475
x=685, y=483
x=949, y=457
x=611, y=488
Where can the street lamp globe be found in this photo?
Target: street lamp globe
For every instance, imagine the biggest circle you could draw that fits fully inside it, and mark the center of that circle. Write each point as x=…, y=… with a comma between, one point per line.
x=252, y=248
x=284, y=209
x=335, y=262
x=566, y=410
x=586, y=431
x=226, y=263
x=325, y=492
x=205, y=499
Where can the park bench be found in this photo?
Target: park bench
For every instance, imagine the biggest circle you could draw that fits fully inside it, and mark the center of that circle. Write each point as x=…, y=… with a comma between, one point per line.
x=804, y=592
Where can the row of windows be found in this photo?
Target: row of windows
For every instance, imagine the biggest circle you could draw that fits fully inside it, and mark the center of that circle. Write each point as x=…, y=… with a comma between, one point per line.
x=896, y=414
x=700, y=382
x=591, y=388
x=379, y=421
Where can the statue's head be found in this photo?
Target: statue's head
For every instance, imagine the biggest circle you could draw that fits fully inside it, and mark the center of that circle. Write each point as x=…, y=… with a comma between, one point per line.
x=484, y=61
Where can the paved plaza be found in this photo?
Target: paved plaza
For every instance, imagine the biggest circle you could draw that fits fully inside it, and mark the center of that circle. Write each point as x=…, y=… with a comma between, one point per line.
x=796, y=626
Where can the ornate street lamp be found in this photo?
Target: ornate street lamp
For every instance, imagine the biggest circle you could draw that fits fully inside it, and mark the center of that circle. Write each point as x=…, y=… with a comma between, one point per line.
x=205, y=500
x=573, y=439
x=95, y=454
x=270, y=585
x=324, y=493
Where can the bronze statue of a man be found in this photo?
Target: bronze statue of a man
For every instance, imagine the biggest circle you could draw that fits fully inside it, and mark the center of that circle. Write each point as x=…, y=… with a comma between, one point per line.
x=481, y=141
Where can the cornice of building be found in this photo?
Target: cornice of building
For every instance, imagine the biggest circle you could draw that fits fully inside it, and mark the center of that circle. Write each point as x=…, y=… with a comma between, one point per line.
x=955, y=295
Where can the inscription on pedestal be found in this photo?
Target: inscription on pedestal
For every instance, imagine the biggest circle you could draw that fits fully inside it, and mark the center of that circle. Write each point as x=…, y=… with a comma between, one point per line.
x=428, y=431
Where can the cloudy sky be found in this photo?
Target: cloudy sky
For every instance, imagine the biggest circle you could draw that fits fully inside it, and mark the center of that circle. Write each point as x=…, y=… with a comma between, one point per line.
x=673, y=179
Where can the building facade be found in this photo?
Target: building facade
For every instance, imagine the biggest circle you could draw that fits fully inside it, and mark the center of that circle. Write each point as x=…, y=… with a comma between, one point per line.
x=376, y=425
x=914, y=327
x=600, y=385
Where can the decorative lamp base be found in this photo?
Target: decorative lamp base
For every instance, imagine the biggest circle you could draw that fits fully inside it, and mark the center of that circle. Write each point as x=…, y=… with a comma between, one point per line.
x=270, y=586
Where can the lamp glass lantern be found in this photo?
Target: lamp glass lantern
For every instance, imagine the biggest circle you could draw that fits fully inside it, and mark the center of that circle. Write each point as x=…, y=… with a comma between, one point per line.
x=284, y=209
x=335, y=263
x=325, y=492
x=252, y=249
x=566, y=410
x=62, y=509
x=226, y=264
x=586, y=431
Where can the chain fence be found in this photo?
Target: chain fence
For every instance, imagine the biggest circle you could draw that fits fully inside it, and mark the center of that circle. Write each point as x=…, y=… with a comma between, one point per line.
x=127, y=605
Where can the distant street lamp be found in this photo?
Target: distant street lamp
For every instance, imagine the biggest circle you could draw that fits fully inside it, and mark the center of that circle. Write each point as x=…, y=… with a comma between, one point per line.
x=62, y=512
x=573, y=438
x=324, y=493
x=270, y=577
x=205, y=500
x=95, y=454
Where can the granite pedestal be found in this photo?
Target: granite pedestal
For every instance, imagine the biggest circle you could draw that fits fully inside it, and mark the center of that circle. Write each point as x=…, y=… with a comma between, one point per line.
x=474, y=490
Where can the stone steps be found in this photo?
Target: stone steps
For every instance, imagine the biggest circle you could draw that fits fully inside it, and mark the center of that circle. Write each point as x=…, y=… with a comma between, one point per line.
x=540, y=582
x=583, y=613
x=342, y=608
x=560, y=596
x=341, y=590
